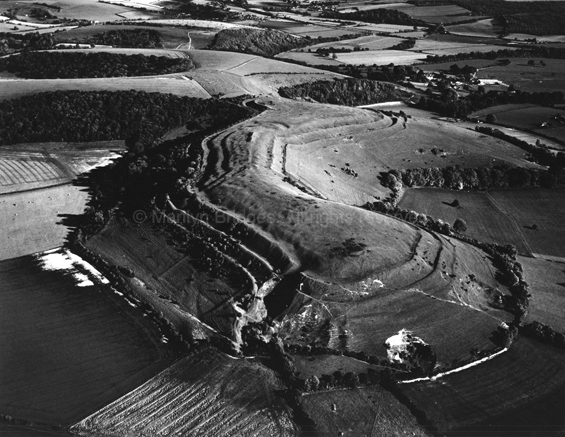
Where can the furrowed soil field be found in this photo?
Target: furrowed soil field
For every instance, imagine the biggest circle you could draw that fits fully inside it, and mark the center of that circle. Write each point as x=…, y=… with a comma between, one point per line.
x=360, y=412
x=543, y=207
x=547, y=283
x=485, y=221
x=381, y=57
x=526, y=77
x=26, y=167
x=69, y=347
x=31, y=220
x=521, y=393
x=207, y=393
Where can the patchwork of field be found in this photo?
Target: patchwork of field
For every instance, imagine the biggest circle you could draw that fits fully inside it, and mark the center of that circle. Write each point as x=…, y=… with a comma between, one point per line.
x=520, y=392
x=485, y=221
x=381, y=57
x=529, y=78
x=68, y=350
x=358, y=412
x=205, y=394
x=31, y=220
x=543, y=207
x=547, y=285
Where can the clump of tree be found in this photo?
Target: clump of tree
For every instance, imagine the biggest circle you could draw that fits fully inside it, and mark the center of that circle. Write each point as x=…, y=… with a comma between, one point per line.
x=137, y=38
x=79, y=116
x=544, y=333
x=348, y=92
x=262, y=42
x=63, y=65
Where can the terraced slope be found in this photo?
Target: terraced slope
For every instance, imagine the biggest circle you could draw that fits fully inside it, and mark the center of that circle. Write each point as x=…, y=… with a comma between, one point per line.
x=351, y=262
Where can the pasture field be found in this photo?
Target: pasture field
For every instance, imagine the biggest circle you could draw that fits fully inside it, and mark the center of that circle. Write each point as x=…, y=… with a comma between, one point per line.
x=540, y=119
x=360, y=412
x=520, y=392
x=547, y=284
x=381, y=57
x=31, y=220
x=207, y=393
x=542, y=39
x=309, y=58
x=528, y=78
x=68, y=350
x=307, y=366
x=444, y=66
x=386, y=28
x=485, y=221
x=543, y=207
x=482, y=28
x=369, y=142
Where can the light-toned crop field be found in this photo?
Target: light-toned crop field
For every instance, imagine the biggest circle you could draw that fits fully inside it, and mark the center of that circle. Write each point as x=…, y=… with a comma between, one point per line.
x=205, y=394
x=381, y=57
x=482, y=28
x=31, y=220
x=542, y=39
x=309, y=58
x=389, y=28
x=30, y=170
x=68, y=351
x=441, y=48
x=360, y=412
x=518, y=390
x=543, y=207
x=547, y=285
x=485, y=221
x=87, y=10
x=180, y=85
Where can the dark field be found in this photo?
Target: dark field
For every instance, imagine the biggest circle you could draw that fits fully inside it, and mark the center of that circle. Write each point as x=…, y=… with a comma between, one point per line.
x=68, y=350
x=519, y=393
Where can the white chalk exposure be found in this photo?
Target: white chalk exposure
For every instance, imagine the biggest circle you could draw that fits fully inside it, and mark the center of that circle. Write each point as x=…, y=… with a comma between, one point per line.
x=63, y=259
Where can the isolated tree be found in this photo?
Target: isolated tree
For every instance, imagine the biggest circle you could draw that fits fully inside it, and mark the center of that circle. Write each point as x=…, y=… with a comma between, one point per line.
x=491, y=118
x=455, y=203
x=531, y=62
x=460, y=225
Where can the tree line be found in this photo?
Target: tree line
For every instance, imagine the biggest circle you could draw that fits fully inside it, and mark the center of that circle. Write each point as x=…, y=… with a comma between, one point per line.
x=376, y=16
x=140, y=38
x=65, y=65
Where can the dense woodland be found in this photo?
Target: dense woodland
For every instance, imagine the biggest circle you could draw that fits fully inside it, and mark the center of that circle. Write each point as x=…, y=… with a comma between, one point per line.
x=66, y=65
x=257, y=42
x=350, y=92
x=140, y=38
x=135, y=116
